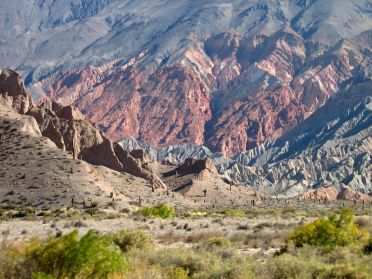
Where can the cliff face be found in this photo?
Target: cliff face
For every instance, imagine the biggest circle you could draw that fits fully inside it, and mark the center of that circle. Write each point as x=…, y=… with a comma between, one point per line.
x=331, y=148
x=171, y=105
x=231, y=94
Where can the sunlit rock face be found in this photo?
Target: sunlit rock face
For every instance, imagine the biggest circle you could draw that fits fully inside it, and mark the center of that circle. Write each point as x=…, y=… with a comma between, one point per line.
x=68, y=129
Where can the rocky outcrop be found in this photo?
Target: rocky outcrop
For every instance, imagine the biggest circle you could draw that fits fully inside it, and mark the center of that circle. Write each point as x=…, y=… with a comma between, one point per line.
x=351, y=195
x=192, y=165
x=332, y=194
x=328, y=194
x=70, y=130
x=137, y=166
x=102, y=153
x=137, y=104
x=12, y=85
x=140, y=155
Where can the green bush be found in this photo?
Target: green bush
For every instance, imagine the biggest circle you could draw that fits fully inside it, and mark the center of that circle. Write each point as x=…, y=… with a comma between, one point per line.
x=334, y=231
x=133, y=239
x=92, y=256
x=159, y=211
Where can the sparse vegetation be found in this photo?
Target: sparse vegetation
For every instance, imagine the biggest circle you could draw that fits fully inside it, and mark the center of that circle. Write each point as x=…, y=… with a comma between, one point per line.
x=234, y=213
x=159, y=211
x=214, y=246
x=133, y=239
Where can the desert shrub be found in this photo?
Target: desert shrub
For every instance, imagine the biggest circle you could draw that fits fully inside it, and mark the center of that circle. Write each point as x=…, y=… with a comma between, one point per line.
x=202, y=236
x=159, y=211
x=92, y=256
x=12, y=256
x=287, y=267
x=312, y=262
x=344, y=271
x=201, y=265
x=259, y=240
x=292, y=212
x=92, y=211
x=234, y=213
x=125, y=210
x=177, y=273
x=330, y=232
x=364, y=221
x=133, y=239
x=255, y=212
x=216, y=243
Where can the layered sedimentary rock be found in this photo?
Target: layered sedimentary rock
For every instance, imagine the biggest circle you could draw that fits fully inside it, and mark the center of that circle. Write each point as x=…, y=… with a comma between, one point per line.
x=332, y=147
x=232, y=94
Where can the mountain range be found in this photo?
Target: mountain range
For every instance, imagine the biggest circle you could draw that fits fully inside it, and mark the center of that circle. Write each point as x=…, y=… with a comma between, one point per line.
x=278, y=93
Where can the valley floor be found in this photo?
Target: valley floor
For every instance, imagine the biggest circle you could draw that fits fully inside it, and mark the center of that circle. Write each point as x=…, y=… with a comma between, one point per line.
x=257, y=230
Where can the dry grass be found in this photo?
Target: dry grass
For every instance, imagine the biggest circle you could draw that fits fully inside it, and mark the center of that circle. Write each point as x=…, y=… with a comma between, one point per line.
x=259, y=240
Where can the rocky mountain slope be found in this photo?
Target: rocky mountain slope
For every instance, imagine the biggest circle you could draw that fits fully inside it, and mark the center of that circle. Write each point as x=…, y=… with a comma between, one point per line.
x=48, y=152
x=330, y=148
x=232, y=75
x=51, y=156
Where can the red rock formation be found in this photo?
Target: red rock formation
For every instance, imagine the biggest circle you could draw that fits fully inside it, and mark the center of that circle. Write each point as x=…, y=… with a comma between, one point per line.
x=329, y=194
x=231, y=95
x=351, y=195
